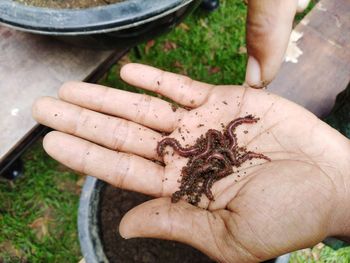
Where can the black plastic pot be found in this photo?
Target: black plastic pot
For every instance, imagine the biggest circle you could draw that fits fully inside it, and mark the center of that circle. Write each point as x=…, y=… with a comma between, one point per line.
x=100, y=211
x=89, y=223
x=117, y=25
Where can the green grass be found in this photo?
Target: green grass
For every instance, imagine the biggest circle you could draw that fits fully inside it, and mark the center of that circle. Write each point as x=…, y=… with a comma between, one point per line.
x=38, y=212
x=321, y=254
x=210, y=48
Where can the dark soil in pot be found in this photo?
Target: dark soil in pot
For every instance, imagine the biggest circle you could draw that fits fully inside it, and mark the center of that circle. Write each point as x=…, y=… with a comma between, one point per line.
x=68, y=3
x=114, y=203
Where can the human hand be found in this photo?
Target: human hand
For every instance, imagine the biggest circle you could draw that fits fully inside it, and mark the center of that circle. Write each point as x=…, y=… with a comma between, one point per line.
x=264, y=210
x=269, y=24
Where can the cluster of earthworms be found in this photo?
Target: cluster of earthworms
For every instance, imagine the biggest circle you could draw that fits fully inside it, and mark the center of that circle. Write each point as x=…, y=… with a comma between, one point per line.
x=211, y=158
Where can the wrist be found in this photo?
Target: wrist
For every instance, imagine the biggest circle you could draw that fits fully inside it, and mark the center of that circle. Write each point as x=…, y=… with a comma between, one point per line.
x=340, y=226
x=341, y=220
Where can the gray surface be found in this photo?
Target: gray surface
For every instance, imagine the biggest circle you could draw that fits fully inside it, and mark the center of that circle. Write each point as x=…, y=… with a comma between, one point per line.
x=323, y=68
x=32, y=66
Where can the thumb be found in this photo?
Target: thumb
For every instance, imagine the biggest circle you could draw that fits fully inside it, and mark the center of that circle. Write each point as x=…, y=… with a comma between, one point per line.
x=159, y=218
x=209, y=232
x=269, y=24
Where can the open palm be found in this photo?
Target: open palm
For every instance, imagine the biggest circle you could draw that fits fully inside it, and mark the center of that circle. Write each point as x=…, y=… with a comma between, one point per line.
x=262, y=210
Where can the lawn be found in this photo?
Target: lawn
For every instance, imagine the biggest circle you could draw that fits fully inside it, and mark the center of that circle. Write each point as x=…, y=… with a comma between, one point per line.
x=38, y=212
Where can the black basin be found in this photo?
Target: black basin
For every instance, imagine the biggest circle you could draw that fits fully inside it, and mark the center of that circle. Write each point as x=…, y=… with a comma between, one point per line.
x=117, y=25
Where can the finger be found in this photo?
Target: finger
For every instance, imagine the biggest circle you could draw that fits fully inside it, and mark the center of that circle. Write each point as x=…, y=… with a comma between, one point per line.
x=302, y=4
x=161, y=219
x=269, y=24
x=180, y=89
x=141, y=108
x=111, y=132
x=199, y=228
x=119, y=169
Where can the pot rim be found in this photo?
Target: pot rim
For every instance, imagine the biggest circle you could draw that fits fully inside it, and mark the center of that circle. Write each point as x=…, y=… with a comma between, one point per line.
x=94, y=20
x=88, y=225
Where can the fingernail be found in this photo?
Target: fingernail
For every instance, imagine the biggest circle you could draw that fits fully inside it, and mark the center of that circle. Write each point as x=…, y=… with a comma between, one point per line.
x=302, y=5
x=253, y=73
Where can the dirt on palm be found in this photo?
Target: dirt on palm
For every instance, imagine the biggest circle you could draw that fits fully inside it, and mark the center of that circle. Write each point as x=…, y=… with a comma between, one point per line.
x=68, y=3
